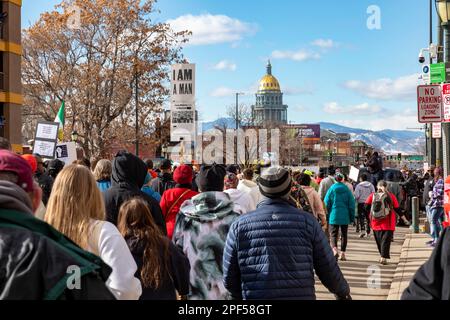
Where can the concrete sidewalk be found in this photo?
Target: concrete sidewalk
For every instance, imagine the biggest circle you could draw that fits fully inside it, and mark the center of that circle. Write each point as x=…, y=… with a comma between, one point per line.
x=362, y=262
x=414, y=254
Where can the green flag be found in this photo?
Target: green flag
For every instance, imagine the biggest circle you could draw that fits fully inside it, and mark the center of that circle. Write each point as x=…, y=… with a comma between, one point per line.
x=60, y=119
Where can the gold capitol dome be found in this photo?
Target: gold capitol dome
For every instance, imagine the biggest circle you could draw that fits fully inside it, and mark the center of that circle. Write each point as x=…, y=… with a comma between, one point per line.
x=269, y=82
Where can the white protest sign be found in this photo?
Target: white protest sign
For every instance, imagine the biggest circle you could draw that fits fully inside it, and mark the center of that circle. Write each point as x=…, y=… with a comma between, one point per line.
x=354, y=174
x=45, y=149
x=47, y=130
x=429, y=104
x=436, y=130
x=66, y=152
x=182, y=103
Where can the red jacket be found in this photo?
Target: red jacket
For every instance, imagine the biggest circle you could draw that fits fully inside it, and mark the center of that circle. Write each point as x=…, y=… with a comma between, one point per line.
x=388, y=223
x=167, y=200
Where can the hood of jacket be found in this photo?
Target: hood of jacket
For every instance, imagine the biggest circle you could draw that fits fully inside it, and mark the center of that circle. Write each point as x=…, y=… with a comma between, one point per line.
x=365, y=184
x=208, y=206
x=248, y=183
x=127, y=169
x=165, y=177
x=340, y=188
x=13, y=197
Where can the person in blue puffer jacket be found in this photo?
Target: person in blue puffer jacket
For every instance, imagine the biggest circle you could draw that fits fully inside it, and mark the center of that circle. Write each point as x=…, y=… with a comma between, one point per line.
x=149, y=190
x=340, y=204
x=272, y=253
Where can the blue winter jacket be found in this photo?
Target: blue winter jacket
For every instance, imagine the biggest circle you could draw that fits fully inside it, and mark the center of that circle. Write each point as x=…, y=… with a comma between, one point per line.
x=272, y=253
x=340, y=204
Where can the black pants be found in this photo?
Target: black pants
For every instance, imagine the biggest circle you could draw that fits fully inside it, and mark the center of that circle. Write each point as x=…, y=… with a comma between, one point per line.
x=384, y=239
x=363, y=218
x=334, y=235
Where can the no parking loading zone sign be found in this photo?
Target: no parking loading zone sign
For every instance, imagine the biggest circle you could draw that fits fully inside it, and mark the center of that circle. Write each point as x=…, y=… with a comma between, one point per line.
x=430, y=102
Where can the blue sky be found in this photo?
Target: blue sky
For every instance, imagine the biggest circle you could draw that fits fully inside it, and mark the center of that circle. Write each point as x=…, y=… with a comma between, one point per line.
x=329, y=64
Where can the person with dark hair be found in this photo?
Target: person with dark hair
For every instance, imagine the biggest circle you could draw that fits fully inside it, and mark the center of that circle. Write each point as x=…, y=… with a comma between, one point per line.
x=35, y=258
x=44, y=180
x=128, y=176
x=233, y=168
x=326, y=183
x=275, y=251
x=243, y=202
x=375, y=168
x=163, y=269
x=54, y=167
x=362, y=192
x=340, y=204
x=201, y=230
x=5, y=144
x=436, y=205
x=382, y=206
x=320, y=177
x=164, y=181
x=308, y=195
x=172, y=199
x=149, y=164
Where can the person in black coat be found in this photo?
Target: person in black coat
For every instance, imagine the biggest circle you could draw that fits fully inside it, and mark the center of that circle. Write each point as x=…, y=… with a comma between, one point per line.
x=128, y=176
x=432, y=280
x=163, y=269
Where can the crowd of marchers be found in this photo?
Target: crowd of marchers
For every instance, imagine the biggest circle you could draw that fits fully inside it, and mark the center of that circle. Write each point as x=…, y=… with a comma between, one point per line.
x=123, y=229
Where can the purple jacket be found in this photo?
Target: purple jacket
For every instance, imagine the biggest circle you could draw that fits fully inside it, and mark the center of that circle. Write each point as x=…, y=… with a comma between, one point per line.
x=437, y=198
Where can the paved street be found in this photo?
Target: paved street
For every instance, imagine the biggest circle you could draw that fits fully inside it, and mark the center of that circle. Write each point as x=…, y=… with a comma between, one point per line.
x=361, y=254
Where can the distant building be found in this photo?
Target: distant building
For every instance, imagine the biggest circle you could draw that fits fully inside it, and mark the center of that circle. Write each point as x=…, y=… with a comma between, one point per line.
x=269, y=105
x=11, y=98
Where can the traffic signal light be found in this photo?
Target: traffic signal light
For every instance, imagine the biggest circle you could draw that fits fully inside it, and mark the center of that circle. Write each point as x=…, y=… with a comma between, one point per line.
x=356, y=157
x=399, y=157
x=330, y=156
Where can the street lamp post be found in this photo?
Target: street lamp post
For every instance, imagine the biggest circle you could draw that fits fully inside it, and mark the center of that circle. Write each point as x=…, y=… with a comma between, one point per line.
x=443, y=9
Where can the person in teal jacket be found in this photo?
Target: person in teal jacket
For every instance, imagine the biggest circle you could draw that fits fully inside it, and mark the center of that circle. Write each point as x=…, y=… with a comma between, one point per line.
x=340, y=204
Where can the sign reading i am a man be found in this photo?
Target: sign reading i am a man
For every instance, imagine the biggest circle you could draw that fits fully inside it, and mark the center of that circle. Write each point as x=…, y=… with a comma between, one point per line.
x=183, y=83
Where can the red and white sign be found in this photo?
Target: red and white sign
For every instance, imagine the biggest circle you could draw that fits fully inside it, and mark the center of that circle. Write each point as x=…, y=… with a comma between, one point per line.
x=446, y=102
x=436, y=132
x=429, y=103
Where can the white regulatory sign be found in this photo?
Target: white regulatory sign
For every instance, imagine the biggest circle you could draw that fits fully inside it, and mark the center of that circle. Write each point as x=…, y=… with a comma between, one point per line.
x=429, y=104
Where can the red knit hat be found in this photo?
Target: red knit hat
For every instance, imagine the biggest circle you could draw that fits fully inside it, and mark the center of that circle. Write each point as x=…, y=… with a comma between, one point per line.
x=12, y=162
x=31, y=161
x=183, y=174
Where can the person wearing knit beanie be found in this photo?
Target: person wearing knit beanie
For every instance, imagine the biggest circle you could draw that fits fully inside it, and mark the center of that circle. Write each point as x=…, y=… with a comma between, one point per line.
x=275, y=182
x=211, y=178
x=183, y=175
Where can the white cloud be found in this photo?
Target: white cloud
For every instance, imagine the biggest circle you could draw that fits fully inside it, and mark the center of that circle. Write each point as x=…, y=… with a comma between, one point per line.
x=225, y=65
x=324, y=43
x=402, y=88
x=300, y=55
x=213, y=29
x=363, y=109
x=221, y=92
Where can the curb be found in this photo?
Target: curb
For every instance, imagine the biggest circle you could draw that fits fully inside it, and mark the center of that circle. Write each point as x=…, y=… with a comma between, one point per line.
x=395, y=291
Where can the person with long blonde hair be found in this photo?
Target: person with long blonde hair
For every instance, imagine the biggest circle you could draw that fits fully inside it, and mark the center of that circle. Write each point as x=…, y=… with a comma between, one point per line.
x=76, y=209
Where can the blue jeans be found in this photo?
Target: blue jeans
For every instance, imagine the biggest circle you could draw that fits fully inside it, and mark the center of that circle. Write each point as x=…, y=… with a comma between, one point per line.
x=437, y=216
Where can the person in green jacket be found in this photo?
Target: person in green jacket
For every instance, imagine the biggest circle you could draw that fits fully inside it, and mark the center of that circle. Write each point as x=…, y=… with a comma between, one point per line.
x=340, y=205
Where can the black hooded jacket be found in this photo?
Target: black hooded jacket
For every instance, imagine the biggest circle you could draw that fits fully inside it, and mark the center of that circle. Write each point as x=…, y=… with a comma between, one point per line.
x=128, y=176
x=432, y=280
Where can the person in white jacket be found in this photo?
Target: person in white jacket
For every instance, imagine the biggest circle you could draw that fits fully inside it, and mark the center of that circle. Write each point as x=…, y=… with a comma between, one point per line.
x=251, y=188
x=362, y=191
x=243, y=202
x=76, y=209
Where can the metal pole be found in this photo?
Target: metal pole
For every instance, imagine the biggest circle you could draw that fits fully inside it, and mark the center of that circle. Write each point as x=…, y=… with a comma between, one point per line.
x=436, y=143
x=237, y=126
x=445, y=126
x=415, y=215
x=137, y=114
